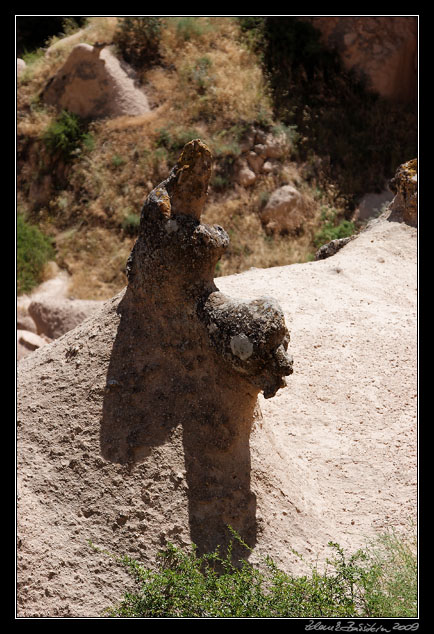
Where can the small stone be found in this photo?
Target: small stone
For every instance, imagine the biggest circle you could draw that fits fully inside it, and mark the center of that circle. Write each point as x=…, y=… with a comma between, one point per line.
x=241, y=346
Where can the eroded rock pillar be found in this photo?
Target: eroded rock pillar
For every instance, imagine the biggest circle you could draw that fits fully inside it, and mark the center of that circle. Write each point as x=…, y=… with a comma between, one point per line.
x=187, y=355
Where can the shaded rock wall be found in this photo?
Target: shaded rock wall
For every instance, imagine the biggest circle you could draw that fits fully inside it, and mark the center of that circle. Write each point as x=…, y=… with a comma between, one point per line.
x=383, y=48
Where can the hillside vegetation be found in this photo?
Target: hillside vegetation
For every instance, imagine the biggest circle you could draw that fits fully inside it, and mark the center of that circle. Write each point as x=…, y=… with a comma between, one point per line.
x=83, y=183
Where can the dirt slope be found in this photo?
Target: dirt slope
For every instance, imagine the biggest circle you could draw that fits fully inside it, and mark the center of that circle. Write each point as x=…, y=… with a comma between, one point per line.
x=333, y=456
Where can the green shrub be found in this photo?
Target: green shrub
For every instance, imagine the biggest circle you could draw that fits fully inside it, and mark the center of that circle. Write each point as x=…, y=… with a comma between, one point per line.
x=30, y=57
x=220, y=182
x=138, y=40
x=189, y=27
x=117, y=160
x=188, y=585
x=34, y=249
x=66, y=134
x=393, y=590
x=331, y=232
x=331, y=228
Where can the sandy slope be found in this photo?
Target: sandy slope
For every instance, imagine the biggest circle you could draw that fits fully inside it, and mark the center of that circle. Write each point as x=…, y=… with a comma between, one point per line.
x=334, y=456
x=345, y=429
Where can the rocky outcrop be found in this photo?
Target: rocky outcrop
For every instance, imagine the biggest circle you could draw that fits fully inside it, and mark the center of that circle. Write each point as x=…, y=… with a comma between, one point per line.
x=404, y=184
x=286, y=211
x=25, y=322
x=48, y=312
x=170, y=361
x=332, y=247
x=54, y=316
x=93, y=84
x=382, y=48
x=309, y=470
x=261, y=153
x=28, y=342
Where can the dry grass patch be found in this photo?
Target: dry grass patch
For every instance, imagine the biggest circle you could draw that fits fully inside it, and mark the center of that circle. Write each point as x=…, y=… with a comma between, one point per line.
x=207, y=85
x=95, y=259
x=208, y=76
x=238, y=213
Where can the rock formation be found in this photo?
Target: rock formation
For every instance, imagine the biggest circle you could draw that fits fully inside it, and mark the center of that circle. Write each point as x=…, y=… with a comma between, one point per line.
x=53, y=316
x=404, y=185
x=286, y=211
x=382, y=48
x=261, y=153
x=169, y=361
x=92, y=84
x=49, y=312
x=209, y=356
x=332, y=247
x=28, y=342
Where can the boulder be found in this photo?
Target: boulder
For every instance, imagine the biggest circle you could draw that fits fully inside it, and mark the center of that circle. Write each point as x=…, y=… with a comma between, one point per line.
x=255, y=162
x=54, y=316
x=245, y=176
x=276, y=146
x=28, y=342
x=25, y=322
x=285, y=211
x=93, y=84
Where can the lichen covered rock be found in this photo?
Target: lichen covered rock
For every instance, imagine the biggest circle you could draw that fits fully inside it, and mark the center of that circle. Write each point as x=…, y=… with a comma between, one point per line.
x=200, y=358
x=332, y=247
